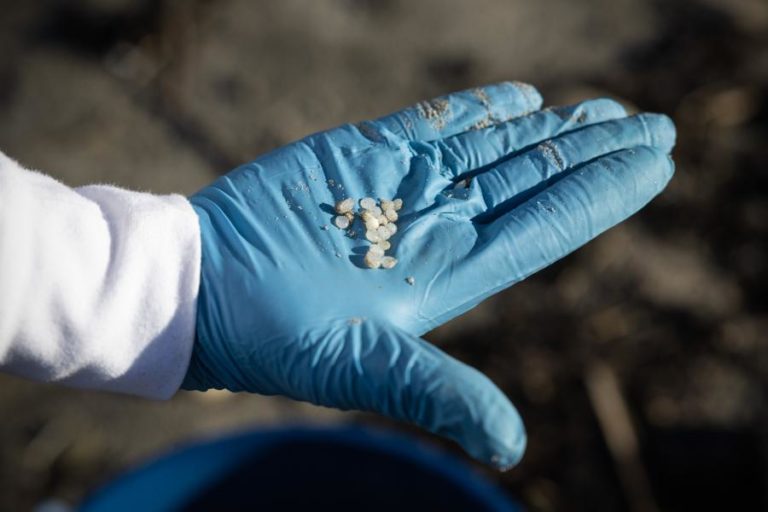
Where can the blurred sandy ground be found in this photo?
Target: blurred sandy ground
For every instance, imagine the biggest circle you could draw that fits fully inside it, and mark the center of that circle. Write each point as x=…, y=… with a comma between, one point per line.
x=165, y=95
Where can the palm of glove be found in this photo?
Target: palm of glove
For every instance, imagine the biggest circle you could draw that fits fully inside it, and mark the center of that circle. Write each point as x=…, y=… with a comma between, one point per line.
x=493, y=190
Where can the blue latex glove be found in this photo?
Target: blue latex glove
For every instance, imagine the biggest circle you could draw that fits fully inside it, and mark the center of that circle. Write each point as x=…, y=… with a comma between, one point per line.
x=287, y=307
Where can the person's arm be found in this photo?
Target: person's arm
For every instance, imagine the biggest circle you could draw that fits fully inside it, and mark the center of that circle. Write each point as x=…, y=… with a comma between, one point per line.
x=98, y=285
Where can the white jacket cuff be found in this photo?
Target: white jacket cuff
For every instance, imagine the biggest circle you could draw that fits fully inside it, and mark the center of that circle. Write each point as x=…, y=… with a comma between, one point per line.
x=98, y=285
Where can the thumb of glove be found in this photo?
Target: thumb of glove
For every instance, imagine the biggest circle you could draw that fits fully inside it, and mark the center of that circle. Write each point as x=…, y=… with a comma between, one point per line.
x=368, y=366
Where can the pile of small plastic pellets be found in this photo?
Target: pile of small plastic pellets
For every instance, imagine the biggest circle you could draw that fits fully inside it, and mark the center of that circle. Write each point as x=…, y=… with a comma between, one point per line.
x=379, y=220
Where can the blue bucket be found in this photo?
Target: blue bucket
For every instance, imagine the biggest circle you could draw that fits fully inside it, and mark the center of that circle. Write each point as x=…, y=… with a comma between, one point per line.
x=303, y=469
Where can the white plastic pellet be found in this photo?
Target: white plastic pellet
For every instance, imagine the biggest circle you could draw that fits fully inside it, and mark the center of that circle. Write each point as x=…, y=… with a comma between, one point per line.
x=391, y=215
x=397, y=203
x=373, y=255
x=345, y=205
x=372, y=261
x=376, y=250
x=384, y=244
x=372, y=236
x=391, y=227
x=367, y=203
x=341, y=222
x=382, y=220
x=376, y=210
x=386, y=204
x=383, y=232
x=367, y=215
x=350, y=216
x=461, y=184
x=388, y=262
x=371, y=224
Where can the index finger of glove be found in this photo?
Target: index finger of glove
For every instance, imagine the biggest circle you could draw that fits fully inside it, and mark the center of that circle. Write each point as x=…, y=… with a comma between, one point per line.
x=460, y=111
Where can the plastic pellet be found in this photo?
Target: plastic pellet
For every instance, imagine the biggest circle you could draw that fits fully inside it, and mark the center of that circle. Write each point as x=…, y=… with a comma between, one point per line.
x=384, y=244
x=391, y=215
x=350, y=216
x=341, y=222
x=383, y=232
x=372, y=236
x=367, y=203
x=382, y=220
x=461, y=185
x=376, y=250
x=371, y=261
x=397, y=203
x=371, y=224
x=388, y=262
x=376, y=210
x=345, y=205
x=367, y=215
x=391, y=227
x=386, y=204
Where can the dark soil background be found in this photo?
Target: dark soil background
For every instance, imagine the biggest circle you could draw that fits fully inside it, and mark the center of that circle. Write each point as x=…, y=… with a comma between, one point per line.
x=639, y=363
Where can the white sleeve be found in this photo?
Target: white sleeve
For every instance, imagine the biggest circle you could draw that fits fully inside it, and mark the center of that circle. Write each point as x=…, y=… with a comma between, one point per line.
x=98, y=285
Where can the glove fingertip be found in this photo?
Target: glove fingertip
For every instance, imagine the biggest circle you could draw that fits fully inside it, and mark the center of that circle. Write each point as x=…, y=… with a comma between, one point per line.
x=590, y=111
x=610, y=105
x=530, y=95
x=660, y=129
x=490, y=429
x=503, y=442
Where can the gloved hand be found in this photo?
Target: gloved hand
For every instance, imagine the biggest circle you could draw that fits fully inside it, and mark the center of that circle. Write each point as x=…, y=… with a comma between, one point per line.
x=287, y=307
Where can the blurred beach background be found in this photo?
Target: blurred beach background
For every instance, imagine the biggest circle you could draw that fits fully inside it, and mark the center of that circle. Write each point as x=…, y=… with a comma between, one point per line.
x=639, y=363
